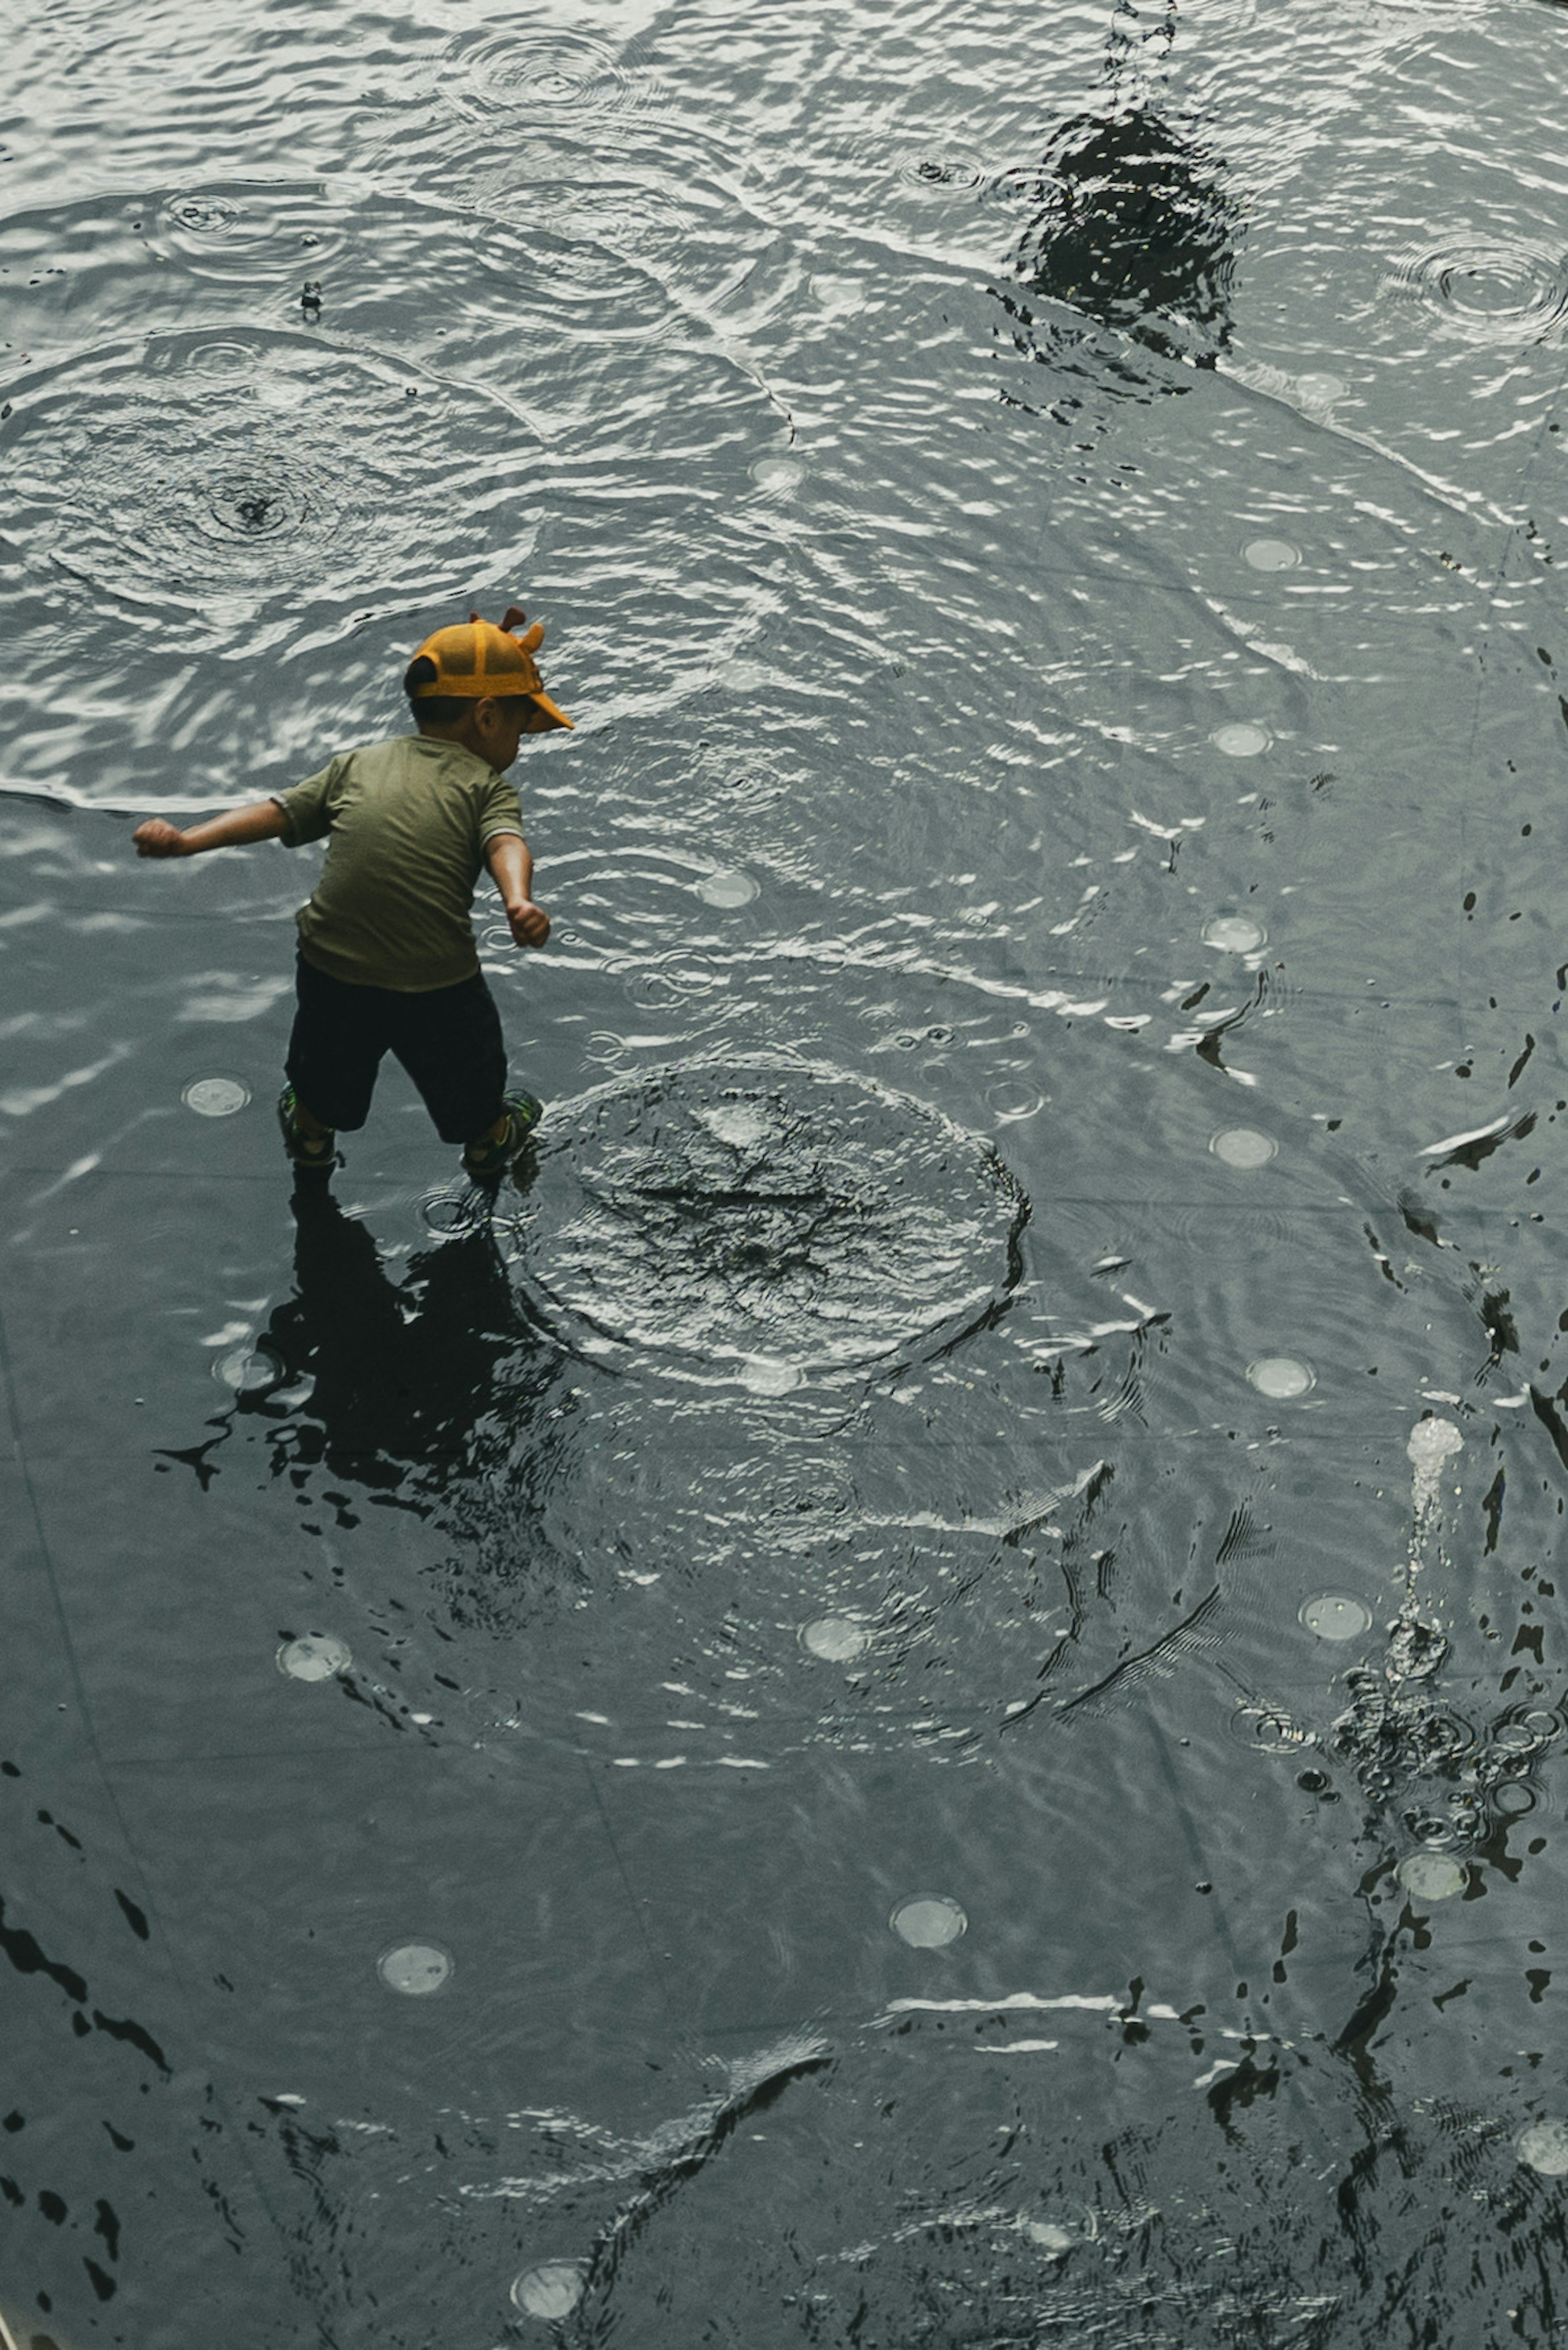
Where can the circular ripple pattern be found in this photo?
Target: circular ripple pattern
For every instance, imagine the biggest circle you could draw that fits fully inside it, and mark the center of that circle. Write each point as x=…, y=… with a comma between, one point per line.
x=558, y=80
x=216, y=479
x=714, y=1219
x=247, y=229
x=1513, y=293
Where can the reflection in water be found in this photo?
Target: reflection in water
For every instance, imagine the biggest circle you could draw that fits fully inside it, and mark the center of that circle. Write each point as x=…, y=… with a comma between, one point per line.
x=410, y=1390
x=1130, y=225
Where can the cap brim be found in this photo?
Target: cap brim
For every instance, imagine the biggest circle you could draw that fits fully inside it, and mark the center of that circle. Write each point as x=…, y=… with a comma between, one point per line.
x=551, y=712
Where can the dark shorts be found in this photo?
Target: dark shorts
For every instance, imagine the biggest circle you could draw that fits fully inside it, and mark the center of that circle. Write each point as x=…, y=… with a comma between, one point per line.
x=448, y=1039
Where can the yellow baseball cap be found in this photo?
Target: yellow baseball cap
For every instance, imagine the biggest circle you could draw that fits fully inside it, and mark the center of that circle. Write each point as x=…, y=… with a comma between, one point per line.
x=476, y=657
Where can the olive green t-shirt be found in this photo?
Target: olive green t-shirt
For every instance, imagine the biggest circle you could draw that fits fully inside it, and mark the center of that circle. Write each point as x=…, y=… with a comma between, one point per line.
x=406, y=823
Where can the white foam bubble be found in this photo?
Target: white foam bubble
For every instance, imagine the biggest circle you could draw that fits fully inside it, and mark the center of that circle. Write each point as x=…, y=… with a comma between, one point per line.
x=1544, y=2148
x=415, y=1969
x=1432, y=1442
x=928, y=1921
x=314, y=1656
x=767, y=1375
x=728, y=888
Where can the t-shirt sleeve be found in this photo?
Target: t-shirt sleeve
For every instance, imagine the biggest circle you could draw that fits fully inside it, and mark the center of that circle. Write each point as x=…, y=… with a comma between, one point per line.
x=308, y=807
x=500, y=809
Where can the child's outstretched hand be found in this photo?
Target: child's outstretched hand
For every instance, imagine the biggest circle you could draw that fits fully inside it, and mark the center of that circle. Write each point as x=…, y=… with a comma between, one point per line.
x=530, y=924
x=157, y=838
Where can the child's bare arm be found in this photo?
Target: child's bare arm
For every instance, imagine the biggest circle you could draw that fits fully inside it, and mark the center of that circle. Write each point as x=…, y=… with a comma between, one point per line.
x=511, y=861
x=261, y=820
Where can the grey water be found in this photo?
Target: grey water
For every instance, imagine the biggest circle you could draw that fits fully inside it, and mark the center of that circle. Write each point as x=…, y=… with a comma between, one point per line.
x=917, y=1697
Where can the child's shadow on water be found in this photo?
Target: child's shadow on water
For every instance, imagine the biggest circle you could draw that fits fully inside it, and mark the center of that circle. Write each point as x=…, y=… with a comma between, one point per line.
x=406, y=1389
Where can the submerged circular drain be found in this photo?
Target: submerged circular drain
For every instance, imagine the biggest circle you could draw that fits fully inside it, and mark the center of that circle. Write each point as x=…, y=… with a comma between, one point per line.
x=415, y=1969
x=1431, y=1876
x=553, y=2288
x=1234, y=933
x=1243, y=1146
x=764, y=1223
x=1241, y=741
x=1544, y=2148
x=1272, y=554
x=728, y=889
x=215, y=1097
x=929, y=1921
x=834, y=1639
x=1281, y=1376
x=1335, y=1616
x=314, y=1656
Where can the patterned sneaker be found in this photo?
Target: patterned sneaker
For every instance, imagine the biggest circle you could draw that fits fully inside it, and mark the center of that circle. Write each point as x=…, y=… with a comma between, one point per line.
x=487, y=1162
x=304, y=1150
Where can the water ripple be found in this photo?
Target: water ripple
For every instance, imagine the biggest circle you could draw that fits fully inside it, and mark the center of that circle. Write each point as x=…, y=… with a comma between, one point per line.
x=1490, y=291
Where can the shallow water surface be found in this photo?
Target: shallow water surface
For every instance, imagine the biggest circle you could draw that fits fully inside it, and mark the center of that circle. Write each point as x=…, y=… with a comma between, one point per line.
x=914, y=1697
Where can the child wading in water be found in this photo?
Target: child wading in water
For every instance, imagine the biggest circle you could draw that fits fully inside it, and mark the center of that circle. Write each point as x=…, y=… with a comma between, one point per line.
x=387, y=958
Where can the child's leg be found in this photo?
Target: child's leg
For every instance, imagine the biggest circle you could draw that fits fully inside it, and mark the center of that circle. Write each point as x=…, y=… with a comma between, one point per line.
x=449, y=1040
x=339, y=1035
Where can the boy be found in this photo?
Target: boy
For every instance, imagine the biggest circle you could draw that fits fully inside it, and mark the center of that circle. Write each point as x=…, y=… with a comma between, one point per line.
x=387, y=958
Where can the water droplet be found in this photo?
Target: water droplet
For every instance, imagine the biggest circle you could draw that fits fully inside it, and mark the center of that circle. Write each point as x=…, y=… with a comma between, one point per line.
x=834, y=1638
x=246, y=1368
x=552, y=2290
x=314, y=1656
x=415, y=1969
x=1243, y=1146
x=1335, y=1616
x=1431, y=1876
x=947, y=173
x=1281, y=1376
x=1234, y=933
x=1544, y=2148
x=1272, y=554
x=1241, y=741
x=927, y=1921
x=215, y=1097
x=727, y=888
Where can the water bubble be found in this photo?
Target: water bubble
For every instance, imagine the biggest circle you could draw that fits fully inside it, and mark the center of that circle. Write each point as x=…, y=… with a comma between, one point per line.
x=928, y=1921
x=246, y=1368
x=1265, y=1727
x=553, y=2288
x=1511, y=293
x=1335, y=1616
x=777, y=1218
x=215, y=1097
x=1431, y=1876
x=780, y=476
x=1272, y=554
x=1240, y=740
x=1544, y=2146
x=1234, y=933
x=834, y=1639
x=1243, y=1146
x=415, y=1969
x=314, y=1656
x=727, y=888
x=1281, y=1376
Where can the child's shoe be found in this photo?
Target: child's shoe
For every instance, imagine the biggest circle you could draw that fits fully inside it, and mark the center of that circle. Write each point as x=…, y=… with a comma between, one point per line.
x=304, y=1150
x=486, y=1161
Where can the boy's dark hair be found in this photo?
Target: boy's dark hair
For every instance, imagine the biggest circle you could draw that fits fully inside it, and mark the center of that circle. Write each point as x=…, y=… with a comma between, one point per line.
x=431, y=709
